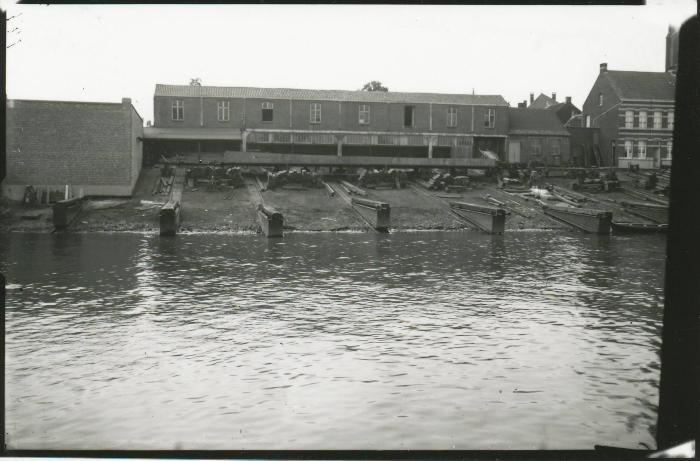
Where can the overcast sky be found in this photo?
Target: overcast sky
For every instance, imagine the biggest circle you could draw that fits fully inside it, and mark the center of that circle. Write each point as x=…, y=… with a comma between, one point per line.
x=104, y=53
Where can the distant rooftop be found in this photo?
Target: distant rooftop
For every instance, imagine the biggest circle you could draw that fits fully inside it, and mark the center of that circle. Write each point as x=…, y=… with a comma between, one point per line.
x=535, y=121
x=642, y=85
x=327, y=95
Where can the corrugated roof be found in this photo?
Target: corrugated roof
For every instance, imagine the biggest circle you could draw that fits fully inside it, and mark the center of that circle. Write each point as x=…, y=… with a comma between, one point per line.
x=642, y=85
x=327, y=95
x=535, y=121
x=151, y=132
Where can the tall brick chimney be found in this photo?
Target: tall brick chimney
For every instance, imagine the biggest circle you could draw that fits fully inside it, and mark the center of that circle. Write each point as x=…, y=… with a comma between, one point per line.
x=554, y=97
x=532, y=98
x=568, y=99
x=603, y=67
x=671, y=49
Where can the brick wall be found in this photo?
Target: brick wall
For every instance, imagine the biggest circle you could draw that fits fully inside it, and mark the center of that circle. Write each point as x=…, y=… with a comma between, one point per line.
x=92, y=146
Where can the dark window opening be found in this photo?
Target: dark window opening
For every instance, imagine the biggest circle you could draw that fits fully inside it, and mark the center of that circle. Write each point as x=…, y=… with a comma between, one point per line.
x=267, y=109
x=408, y=116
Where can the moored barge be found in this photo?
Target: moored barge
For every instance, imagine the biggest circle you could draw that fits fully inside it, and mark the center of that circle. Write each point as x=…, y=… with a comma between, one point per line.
x=586, y=219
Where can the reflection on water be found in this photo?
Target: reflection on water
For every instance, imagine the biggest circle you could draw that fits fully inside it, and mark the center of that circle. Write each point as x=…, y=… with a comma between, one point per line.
x=530, y=340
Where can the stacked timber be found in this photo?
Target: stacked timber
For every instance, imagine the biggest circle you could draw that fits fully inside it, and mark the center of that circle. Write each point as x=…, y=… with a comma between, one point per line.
x=379, y=216
x=353, y=189
x=271, y=221
x=65, y=212
x=487, y=218
x=586, y=219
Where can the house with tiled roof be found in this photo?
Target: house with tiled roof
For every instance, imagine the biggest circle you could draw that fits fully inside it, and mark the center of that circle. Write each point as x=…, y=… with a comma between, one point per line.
x=193, y=118
x=634, y=112
x=537, y=135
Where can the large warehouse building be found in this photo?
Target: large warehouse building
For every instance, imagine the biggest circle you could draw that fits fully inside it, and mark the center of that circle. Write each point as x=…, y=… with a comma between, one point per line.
x=191, y=118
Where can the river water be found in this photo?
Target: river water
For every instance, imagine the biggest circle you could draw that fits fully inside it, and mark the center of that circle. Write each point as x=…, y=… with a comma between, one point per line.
x=426, y=340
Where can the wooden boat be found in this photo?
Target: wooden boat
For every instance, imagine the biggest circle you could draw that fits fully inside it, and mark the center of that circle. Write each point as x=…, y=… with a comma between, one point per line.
x=487, y=218
x=638, y=228
x=586, y=219
x=652, y=211
x=65, y=212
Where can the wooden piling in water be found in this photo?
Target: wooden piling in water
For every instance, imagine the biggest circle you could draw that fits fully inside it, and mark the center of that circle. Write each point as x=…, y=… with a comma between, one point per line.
x=271, y=221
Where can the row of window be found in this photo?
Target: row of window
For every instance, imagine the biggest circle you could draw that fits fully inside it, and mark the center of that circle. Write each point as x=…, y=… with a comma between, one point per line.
x=223, y=113
x=639, y=149
x=639, y=120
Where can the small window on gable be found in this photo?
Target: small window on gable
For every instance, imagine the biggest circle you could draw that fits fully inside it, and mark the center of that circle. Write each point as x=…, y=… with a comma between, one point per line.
x=178, y=110
x=408, y=118
x=452, y=117
x=363, y=114
x=267, y=111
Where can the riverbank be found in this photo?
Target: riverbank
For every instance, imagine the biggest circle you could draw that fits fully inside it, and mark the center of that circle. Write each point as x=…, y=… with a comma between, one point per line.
x=228, y=209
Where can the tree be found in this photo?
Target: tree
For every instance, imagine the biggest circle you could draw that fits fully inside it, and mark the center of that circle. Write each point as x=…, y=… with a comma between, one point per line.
x=196, y=81
x=374, y=85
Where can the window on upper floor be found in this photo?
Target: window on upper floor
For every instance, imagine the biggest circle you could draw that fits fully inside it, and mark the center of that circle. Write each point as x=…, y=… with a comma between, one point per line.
x=657, y=120
x=363, y=117
x=629, y=119
x=315, y=113
x=178, y=110
x=452, y=117
x=642, y=119
x=628, y=149
x=223, y=111
x=490, y=118
x=267, y=111
x=642, y=149
x=408, y=118
x=669, y=119
x=600, y=99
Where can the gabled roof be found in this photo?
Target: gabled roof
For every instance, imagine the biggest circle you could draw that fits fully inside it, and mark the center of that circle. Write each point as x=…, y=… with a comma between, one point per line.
x=642, y=85
x=327, y=95
x=542, y=102
x=535, y=121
